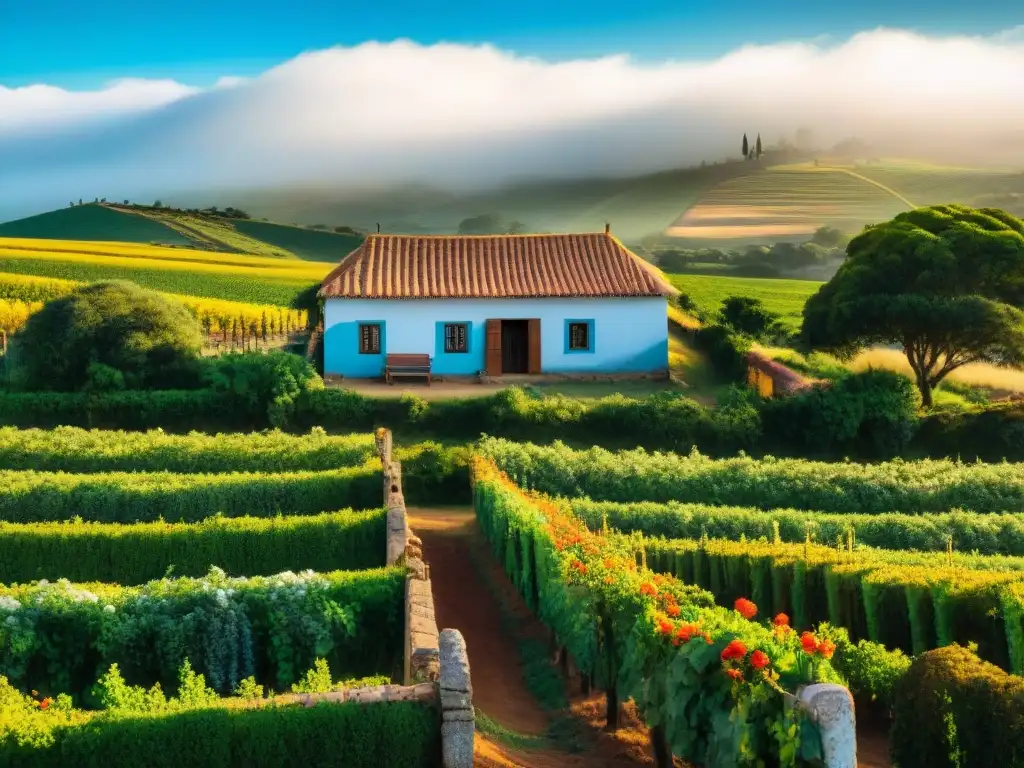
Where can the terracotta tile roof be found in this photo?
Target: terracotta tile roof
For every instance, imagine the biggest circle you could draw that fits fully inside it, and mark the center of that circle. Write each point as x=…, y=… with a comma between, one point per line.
x=492, y=266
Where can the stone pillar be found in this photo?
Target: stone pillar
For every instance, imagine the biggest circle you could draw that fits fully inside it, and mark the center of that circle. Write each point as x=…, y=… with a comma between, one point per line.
x=397, y=535
x=457, y=719
x=831, y=707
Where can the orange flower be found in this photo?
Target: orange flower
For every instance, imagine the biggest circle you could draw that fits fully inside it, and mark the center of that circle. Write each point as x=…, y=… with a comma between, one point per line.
x=707, y=638
x=745, y=608
x=687, y=631
x=607, y=562
x=809, y=642
x=826, y=648
x=734, y=650
x=735, y=674
x=665, y=627
x=576, y=565
x=673, y=611
x=609, y=580
x=759, y=660
x=648, y=589
x=44, y=703
x=781, y=620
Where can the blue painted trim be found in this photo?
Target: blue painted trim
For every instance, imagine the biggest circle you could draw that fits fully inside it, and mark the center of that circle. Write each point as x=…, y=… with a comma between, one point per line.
x=590, y=337
x=383, y=339
x=439, y=349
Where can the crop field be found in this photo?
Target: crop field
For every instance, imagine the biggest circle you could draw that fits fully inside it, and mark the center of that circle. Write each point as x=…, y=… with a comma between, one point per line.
x=231, y=277
x=788, y=202
x=311, y=244
x=887, y=561
x=784, y=297
x=159, y=609
x=21, y=295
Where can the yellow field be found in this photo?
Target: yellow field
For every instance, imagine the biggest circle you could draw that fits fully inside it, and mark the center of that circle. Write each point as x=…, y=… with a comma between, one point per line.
x=21, y=295
x=788, y=201
x=975, y=374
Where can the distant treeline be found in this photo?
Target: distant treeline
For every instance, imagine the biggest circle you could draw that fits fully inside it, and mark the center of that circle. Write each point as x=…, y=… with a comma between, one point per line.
x=817, y=258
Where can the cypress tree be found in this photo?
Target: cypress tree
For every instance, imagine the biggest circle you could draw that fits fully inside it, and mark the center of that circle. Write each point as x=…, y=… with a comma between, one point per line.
x=757, y=148
x=746, y=146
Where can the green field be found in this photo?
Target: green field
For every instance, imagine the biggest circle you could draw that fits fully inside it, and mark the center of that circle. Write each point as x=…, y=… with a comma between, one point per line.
x=165, y=226
x=784, y=297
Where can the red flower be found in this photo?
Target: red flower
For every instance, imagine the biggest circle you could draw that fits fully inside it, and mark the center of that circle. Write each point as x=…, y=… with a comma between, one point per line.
x=745, y=608
x=781, y=620
x=687, y=631
x=44, y=703
x=735, y=674
x=809, y=642
x=648, y=589
x=673, y=610
x=665, y=627
x=826, y=648
x=759, y=660
x=734, y=650
x=578, y=566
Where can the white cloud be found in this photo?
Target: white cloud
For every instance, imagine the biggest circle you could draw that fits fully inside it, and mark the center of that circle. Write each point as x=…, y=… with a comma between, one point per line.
x=459, y=114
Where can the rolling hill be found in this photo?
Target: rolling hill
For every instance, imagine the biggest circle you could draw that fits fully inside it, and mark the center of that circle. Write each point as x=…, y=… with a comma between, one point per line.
x=789, y=202
x=172, y=227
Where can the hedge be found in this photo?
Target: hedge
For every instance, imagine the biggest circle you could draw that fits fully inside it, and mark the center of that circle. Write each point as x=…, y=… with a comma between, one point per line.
x=990, y=434
x=651, y=638
x=911, y=601
x=27, y=496
x=389, y=735
x=986, y=534
x=768, y=483
x=61, y=637
x=69, y=449
x=140, y=552
x=953, y=710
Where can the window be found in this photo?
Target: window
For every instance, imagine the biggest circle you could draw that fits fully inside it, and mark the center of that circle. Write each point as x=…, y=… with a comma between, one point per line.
x=456, y=337
x=579, y=337
x=369, y=339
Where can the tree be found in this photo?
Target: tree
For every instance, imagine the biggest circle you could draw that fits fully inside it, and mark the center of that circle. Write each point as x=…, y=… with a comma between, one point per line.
x=150, y=341
x=942, y=282
x=158, y=204
x=515, y=228
x=748, y=315
x=757, y=147
x=828, y=237
x=746, y=146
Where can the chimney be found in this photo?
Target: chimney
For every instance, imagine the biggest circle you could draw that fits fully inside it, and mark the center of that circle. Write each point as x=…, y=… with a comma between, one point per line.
x=607, y=228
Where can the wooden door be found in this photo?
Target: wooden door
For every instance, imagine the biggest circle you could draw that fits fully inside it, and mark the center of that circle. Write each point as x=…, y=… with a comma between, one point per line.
x=492, y=358
x=533, y=330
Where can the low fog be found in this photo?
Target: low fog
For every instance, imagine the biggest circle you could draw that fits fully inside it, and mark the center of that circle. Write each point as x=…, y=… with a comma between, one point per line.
x=466, y=117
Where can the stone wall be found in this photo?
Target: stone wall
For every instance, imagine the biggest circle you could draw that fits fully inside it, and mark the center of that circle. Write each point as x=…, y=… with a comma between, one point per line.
x=424, y=664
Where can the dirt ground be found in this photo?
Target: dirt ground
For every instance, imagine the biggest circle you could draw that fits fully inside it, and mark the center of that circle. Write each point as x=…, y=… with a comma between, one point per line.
x=454, y=547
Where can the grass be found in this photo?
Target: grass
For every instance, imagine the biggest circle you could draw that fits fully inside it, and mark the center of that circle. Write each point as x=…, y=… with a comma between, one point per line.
x=248, y=279
x=92, y=222
x=784, y=297
x=311, y=244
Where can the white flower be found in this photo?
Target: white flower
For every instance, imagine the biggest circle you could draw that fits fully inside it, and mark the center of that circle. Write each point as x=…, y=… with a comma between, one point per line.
x=11, y=621
x=222, y=598
x=43, y=583
x=9, y=604
x=108, y=609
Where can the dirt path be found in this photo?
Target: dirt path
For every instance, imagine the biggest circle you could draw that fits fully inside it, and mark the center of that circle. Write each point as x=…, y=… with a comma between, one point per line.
x=463, y=602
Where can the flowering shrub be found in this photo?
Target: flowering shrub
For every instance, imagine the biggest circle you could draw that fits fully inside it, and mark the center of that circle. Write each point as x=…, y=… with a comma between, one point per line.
x=53, y=637
x=709, y=680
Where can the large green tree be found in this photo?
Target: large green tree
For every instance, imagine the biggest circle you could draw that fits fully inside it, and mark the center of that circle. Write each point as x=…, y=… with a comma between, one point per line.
x=944, y=283
x=111, y=335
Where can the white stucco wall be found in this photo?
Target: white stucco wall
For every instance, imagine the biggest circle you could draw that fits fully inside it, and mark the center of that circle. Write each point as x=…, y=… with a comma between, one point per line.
x=630, y=334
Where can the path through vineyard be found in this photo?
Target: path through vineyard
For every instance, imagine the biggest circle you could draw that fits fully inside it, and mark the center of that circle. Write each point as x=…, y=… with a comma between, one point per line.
x=472, y=600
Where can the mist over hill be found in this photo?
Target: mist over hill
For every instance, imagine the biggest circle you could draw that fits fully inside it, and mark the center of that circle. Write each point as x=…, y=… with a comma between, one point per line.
x=351, y=123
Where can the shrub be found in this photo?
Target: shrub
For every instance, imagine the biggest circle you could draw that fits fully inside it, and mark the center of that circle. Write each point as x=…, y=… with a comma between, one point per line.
x=27, y=496
x=106, y=335
x=637, y=475
x=726, y=350
x=68, y=449
x=58, y=637
x=749, y=316
x=136, y=553
x=986, y=534
x=870, y=414
x=265, y=385
x=953, y=710
x=992, y=434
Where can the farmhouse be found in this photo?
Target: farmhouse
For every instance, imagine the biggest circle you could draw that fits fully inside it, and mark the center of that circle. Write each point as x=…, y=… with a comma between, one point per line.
x=495, y=305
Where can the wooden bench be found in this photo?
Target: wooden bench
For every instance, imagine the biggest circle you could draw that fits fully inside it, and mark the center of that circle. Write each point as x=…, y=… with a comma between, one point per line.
x=406, y=365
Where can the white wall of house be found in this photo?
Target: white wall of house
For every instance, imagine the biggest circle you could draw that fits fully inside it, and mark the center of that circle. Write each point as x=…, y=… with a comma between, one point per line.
x=630, y=335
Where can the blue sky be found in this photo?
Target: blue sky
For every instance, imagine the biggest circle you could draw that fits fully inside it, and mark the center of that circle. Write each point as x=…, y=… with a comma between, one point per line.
x=77, y=44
